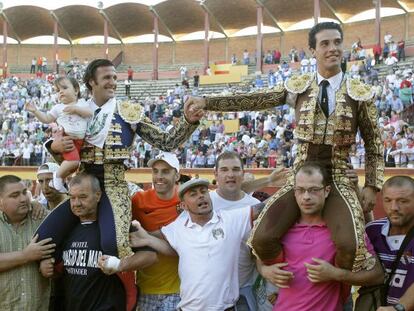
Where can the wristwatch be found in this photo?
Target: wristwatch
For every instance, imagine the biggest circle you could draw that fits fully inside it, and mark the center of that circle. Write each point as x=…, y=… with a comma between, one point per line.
x=399, y=307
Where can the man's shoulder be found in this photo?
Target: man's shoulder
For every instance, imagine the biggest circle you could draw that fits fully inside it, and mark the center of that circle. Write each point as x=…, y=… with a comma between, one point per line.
x=142, y=198
x=299, y=83
x=249, y=199
x=377, y=223
x=374, y=227
x=234, y=215
x=246, y=200
x=358, y=90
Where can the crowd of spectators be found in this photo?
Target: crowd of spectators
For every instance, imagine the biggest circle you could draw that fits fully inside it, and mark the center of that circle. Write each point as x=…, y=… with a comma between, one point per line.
x=21, y=136
x=263, y=139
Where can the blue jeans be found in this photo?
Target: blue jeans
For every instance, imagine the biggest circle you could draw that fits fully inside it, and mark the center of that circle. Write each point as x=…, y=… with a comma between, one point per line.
x=247, y=301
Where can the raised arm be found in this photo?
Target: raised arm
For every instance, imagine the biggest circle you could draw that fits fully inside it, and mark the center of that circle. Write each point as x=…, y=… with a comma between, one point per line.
x=80, y=111
x=41, y=116
x=255, y=101
x=142, y=238
x=167, y=141
x=277, y=178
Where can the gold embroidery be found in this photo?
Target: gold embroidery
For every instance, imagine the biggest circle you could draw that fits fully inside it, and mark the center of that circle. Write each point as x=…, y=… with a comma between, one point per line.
x=362, y=256
x=374, y=149
x=285, y=189
x=130, y=112
x=115, y=128
x=247, y=102
x=344, y=110
x=359, y=91
x=116, y=189
x=298, y=84
x=113, y=140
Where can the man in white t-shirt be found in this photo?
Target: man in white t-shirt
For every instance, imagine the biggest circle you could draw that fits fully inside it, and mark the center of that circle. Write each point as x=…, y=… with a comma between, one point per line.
x=312, y=62
x=229, y=174
x=387, y=38
x=208, y=244
x=26, y=154
x=229, y=195
x=390, y=60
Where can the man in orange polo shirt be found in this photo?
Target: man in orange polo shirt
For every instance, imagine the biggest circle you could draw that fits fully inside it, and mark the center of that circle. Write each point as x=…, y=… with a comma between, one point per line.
x=154, y=208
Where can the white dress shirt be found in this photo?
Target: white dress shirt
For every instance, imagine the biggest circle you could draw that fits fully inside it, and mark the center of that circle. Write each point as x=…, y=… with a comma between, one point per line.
x=334, y=85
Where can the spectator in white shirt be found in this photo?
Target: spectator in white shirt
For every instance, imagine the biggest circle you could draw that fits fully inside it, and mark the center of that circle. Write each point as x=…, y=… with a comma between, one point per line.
x=304, y=65
x=390, y=60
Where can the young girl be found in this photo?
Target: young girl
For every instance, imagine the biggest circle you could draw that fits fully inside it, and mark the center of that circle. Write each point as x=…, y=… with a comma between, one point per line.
x=72, y=115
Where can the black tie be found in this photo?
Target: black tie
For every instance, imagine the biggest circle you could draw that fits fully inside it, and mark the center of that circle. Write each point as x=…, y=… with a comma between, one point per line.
x=324, y=97
x=97, y=111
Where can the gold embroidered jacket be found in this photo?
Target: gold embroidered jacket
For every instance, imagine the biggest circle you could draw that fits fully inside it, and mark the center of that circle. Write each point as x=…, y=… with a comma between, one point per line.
x=354, y=109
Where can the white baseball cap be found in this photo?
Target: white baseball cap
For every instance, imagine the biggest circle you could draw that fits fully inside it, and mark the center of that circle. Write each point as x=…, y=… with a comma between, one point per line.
x=167, y=157
x=48, y=167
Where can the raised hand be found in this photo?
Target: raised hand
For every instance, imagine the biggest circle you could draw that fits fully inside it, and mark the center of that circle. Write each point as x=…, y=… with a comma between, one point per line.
x=38, y=210
x=31, y=107
x=279, y=176
x=62, y=143
x=194, y=109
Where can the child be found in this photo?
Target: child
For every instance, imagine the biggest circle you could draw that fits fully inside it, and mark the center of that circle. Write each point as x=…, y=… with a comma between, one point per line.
x=72, y=115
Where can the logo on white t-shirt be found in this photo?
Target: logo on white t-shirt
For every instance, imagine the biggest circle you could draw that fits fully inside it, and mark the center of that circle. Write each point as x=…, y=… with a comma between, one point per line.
x=218, y=233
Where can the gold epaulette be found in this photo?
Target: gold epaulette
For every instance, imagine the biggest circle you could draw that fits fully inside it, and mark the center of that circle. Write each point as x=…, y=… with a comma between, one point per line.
x=130, y=112
x=298, y=84
x=358, y=90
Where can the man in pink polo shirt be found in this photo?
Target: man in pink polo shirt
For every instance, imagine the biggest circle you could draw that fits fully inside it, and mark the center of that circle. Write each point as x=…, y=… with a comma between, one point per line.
x=304, y=277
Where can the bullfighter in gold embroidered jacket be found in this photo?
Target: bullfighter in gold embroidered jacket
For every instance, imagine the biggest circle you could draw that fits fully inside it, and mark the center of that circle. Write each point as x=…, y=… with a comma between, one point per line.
x=323, y=137
x=110, y=137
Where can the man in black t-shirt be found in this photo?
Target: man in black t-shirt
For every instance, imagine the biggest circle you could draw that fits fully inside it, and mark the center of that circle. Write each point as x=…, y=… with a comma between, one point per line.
x=86, y=287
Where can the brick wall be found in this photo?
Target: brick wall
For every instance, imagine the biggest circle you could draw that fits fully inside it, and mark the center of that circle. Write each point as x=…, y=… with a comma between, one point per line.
x=193, y=51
